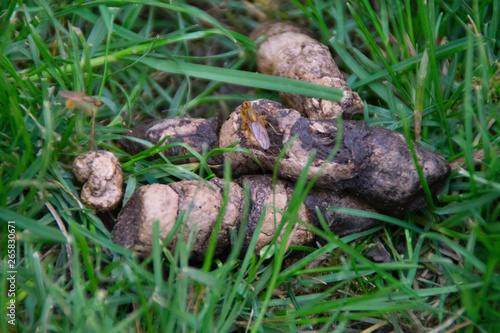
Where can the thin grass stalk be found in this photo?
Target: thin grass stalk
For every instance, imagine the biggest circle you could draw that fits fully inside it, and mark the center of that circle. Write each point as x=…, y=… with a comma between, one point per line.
x=424, y=10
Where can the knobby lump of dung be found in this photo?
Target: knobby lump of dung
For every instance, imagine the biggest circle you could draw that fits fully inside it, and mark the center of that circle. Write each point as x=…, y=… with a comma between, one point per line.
x=102, y=175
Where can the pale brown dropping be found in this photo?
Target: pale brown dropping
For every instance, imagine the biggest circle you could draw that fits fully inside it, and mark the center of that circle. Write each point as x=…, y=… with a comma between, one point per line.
x=287, y=51
x=102, y=175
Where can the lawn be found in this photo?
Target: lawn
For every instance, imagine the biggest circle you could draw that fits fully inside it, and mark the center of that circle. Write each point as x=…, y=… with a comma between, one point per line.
x=427, y=69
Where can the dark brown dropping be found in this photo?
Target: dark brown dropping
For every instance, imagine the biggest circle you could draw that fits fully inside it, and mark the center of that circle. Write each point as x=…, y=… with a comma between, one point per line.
x=372, y=163
x=340, y=224
x=379, y=254
x=261, y=192
x=194, y=132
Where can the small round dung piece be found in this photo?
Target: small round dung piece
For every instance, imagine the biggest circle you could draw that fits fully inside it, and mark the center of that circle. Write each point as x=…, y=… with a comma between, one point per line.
x=102, y=175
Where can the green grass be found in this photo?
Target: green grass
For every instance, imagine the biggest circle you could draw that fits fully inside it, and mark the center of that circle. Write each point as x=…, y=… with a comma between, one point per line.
x=434, y=59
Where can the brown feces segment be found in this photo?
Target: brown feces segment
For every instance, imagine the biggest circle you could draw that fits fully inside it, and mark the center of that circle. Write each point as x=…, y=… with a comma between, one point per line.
x=198, y=203
x=134, y=229
x=340, y=224
x=272, y=200
x=372, y=163
x=233, y=130
x=232, y=213
x=287, y=51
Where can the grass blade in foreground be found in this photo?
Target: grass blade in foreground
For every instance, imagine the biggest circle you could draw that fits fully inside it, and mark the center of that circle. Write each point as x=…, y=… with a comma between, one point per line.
x=248, y=79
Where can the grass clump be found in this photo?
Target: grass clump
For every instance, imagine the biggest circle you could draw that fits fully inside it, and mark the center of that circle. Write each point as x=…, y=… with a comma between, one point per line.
x=428, y=69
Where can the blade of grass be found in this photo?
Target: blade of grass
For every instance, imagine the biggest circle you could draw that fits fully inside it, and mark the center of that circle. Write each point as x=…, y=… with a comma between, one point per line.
x=244, y=78
x=424, y=11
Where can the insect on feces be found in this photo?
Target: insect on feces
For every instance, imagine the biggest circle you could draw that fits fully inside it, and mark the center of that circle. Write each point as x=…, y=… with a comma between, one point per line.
x=81, y=101
x=255, y=124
